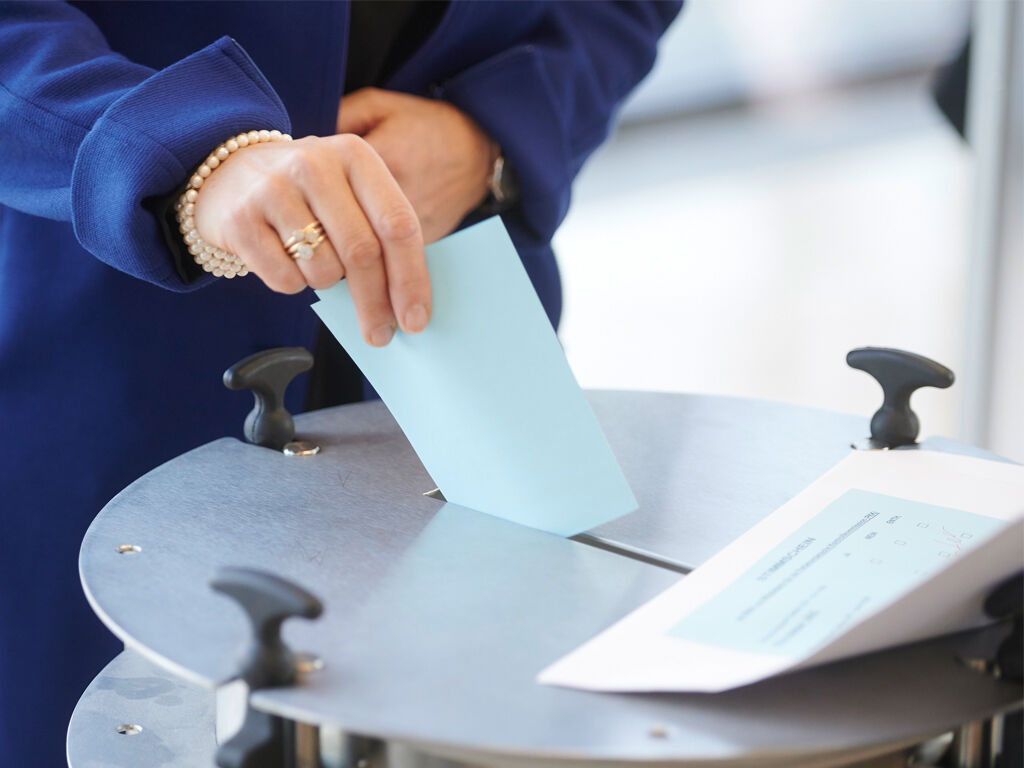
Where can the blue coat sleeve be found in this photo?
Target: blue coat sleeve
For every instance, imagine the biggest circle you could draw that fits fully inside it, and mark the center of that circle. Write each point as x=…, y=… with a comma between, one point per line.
x=549, y=100
x=88, y=135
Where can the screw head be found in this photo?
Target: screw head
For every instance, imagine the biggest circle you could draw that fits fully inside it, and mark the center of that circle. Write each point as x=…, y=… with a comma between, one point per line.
x=301, y=448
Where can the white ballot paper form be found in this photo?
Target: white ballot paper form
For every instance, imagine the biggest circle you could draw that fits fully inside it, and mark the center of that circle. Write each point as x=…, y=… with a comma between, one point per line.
x=485, y=394
x=886, y=548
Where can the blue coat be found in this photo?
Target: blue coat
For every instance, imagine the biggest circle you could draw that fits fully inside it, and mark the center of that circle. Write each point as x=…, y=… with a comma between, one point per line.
x=109, y=363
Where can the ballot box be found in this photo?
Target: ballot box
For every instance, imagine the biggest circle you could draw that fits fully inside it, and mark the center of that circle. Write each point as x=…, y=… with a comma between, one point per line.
x=432, y=620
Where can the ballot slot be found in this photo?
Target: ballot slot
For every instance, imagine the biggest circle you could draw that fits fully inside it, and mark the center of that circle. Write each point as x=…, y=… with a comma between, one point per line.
x=634, y=553
x=624, y=550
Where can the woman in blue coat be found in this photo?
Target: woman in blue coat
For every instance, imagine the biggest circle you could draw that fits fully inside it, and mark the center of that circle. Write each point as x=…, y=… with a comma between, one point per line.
x=112, y=339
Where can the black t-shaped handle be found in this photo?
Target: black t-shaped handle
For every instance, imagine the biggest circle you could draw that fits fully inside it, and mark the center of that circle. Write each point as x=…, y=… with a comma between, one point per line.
x=900, y=374
x=268, y=374
x=267, y=600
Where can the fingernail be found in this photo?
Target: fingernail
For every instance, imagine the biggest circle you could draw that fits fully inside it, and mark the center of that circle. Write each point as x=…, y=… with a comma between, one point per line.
x=415, y=319
x=382, y=334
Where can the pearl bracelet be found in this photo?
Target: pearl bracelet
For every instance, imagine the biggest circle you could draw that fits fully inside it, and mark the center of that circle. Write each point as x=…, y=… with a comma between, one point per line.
x=210, y=257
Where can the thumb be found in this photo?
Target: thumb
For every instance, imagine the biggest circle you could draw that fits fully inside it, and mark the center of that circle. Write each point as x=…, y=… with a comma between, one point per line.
x=360, y=111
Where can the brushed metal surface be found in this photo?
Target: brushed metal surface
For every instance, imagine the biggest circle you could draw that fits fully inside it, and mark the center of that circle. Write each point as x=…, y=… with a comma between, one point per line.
x=438, y=617
x=705, y=469
x=176, y=719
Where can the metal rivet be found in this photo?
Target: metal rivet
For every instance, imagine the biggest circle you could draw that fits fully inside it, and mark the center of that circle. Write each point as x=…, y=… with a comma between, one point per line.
x=869, y=444
x=128, y=549
x=129, y=729
x=307, y=663
x=301, y=448
x=658, y=732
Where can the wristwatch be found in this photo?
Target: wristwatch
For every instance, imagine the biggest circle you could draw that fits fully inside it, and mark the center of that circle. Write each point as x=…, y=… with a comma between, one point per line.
x=503, y=187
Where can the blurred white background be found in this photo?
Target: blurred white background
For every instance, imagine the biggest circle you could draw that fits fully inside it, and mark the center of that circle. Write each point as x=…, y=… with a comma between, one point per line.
x=780, y=190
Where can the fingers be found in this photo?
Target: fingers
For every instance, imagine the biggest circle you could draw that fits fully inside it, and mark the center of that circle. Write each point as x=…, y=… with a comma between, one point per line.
x=378, y=239
x=360, y=254
x=373, y=235
x=361, y=110
x=323, y=269
x=398, y=229
x=259, y=246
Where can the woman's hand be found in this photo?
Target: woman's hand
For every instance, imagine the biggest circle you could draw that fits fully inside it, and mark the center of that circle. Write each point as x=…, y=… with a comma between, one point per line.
x=440, y=157
x=263, y=193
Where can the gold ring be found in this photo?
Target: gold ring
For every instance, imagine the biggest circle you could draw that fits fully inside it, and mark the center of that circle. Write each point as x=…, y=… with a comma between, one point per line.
x=305, y=250
x=307, y=235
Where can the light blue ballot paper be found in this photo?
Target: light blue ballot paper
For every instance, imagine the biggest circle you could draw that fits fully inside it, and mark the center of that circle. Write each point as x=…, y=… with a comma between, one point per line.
x=485, y=394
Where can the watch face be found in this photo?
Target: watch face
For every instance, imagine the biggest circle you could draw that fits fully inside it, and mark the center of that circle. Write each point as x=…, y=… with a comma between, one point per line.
x=503, y=185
